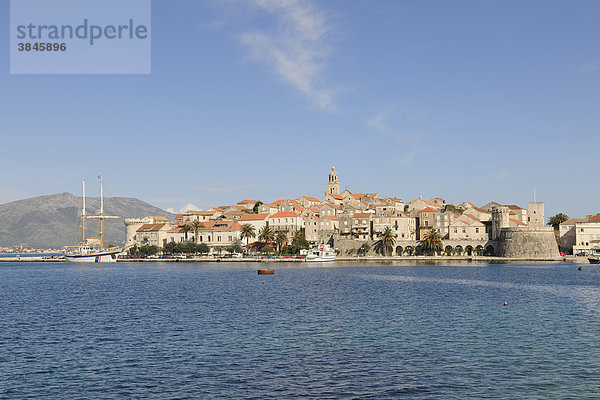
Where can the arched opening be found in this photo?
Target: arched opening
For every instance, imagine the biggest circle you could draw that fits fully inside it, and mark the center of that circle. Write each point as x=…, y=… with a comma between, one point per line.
x=399, y=250
x=479, y=250
x=409, y=251
x=458, y=250
x=449, y=250
x=469, y=250
x=489, y=251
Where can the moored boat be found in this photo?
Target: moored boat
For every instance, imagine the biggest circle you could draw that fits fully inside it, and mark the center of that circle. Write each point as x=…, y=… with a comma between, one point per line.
x=88, y=251
x=322, y=253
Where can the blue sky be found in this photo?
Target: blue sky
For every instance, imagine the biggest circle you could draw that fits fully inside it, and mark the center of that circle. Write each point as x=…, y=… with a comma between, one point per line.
x=466, y=100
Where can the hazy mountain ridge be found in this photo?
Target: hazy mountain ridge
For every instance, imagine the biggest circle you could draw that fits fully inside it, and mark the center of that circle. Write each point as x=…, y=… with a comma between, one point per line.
x=53, y=221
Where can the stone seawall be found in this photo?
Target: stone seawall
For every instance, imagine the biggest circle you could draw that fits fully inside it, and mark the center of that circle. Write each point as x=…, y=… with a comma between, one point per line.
x=531, y=243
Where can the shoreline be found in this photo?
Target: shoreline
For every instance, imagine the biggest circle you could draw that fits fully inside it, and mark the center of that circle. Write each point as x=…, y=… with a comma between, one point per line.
x=368, y=259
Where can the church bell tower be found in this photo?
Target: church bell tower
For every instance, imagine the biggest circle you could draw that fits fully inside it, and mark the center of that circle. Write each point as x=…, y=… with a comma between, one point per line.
x=333, y=186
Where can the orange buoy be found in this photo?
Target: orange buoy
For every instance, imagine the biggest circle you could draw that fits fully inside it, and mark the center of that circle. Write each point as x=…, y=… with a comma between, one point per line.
x=505, y=303
x=263, y=282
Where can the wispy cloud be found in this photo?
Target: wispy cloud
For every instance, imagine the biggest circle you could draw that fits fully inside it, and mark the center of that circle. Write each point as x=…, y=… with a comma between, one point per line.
x=378, y=121
x=183, y=209
x=296, y=49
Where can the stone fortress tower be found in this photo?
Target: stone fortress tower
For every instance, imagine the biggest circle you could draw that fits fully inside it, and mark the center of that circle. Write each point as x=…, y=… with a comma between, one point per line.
x=535, y=215
x=534, y=241
x=499, y=221
x=131, y=227
x=333, y=185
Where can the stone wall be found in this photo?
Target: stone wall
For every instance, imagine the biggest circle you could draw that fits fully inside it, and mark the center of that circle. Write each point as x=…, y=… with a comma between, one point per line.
x=526, y=242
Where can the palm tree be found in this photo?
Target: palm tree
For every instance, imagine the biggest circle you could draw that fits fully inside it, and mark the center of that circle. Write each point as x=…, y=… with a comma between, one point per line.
x=265, y=234
x=247, y=232
x=557, y=220
x=196, y=226
x=281, y=239
x=186, y=229
x=387, y=241
x=432, y=242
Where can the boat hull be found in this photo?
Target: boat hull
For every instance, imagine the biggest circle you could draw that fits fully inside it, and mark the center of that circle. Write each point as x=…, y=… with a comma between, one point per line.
x=104, y=257
x=594, y=260
x=319, y=259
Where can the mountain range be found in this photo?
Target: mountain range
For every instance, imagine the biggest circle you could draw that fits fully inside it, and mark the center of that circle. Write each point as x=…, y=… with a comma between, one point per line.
x=53, y=221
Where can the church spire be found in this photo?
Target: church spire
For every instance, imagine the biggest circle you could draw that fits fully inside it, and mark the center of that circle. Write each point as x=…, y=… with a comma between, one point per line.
x=333, y=185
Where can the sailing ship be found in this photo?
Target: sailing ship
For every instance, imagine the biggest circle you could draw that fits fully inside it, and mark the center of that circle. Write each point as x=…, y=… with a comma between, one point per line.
x=87, y=252
x=322, y=253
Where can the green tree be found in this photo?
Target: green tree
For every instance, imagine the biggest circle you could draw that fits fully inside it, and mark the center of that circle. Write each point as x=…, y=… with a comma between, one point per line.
x=196, y=226
x=170, y=248
x=280, y=240
x=256, y=205
x=364, y=249
x=186, y=229
x=432, y=242
x=556, y=220
x=386, y=242
x=149, y=250
x=299, y=241
x=203, y=248
x=248, y=232
x=265, y=235
x=234, y=248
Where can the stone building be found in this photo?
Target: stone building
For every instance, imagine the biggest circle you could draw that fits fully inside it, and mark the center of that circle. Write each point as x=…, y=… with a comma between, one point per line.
x=579, y=236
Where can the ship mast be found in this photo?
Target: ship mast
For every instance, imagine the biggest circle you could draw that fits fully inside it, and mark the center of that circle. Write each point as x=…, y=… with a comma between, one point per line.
x=101, y=213
x=102, y=217
x=83, y=215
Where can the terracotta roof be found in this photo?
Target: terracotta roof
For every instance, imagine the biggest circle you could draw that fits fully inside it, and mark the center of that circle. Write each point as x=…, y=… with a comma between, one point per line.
x=428, y=209
x=284, y=214
x=276, y=203
x=431, y=203
x=469, y=215
x=593, y=218
x=366, y=194
x=315, y=209
x=337, y=196
x=362, y=215
x=221, y=226
x=150, y=227
x=247, y=202
x=254, y=217
x=331, y=217
x=309, y=198
x=178, y=216
x=512, y=213
x=573, y=221
x=517, y=222
x=514, y=207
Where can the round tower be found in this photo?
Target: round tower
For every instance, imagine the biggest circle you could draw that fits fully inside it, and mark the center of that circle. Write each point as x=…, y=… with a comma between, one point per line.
x=333, y=185
x=131, y=227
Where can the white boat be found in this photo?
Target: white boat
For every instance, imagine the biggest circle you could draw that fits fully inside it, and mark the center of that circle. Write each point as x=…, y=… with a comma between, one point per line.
x=87, y=252
x=322, y=253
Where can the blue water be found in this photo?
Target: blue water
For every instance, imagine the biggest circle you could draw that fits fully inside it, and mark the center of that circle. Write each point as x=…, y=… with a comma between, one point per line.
x=187, y=331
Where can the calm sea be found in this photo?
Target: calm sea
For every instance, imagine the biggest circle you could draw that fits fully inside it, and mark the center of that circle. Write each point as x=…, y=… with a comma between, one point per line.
x=189, y=331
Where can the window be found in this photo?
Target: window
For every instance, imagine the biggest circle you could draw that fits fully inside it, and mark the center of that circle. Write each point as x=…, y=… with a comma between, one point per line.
x=476, y=230
x=455, y=230
x=464, y=230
